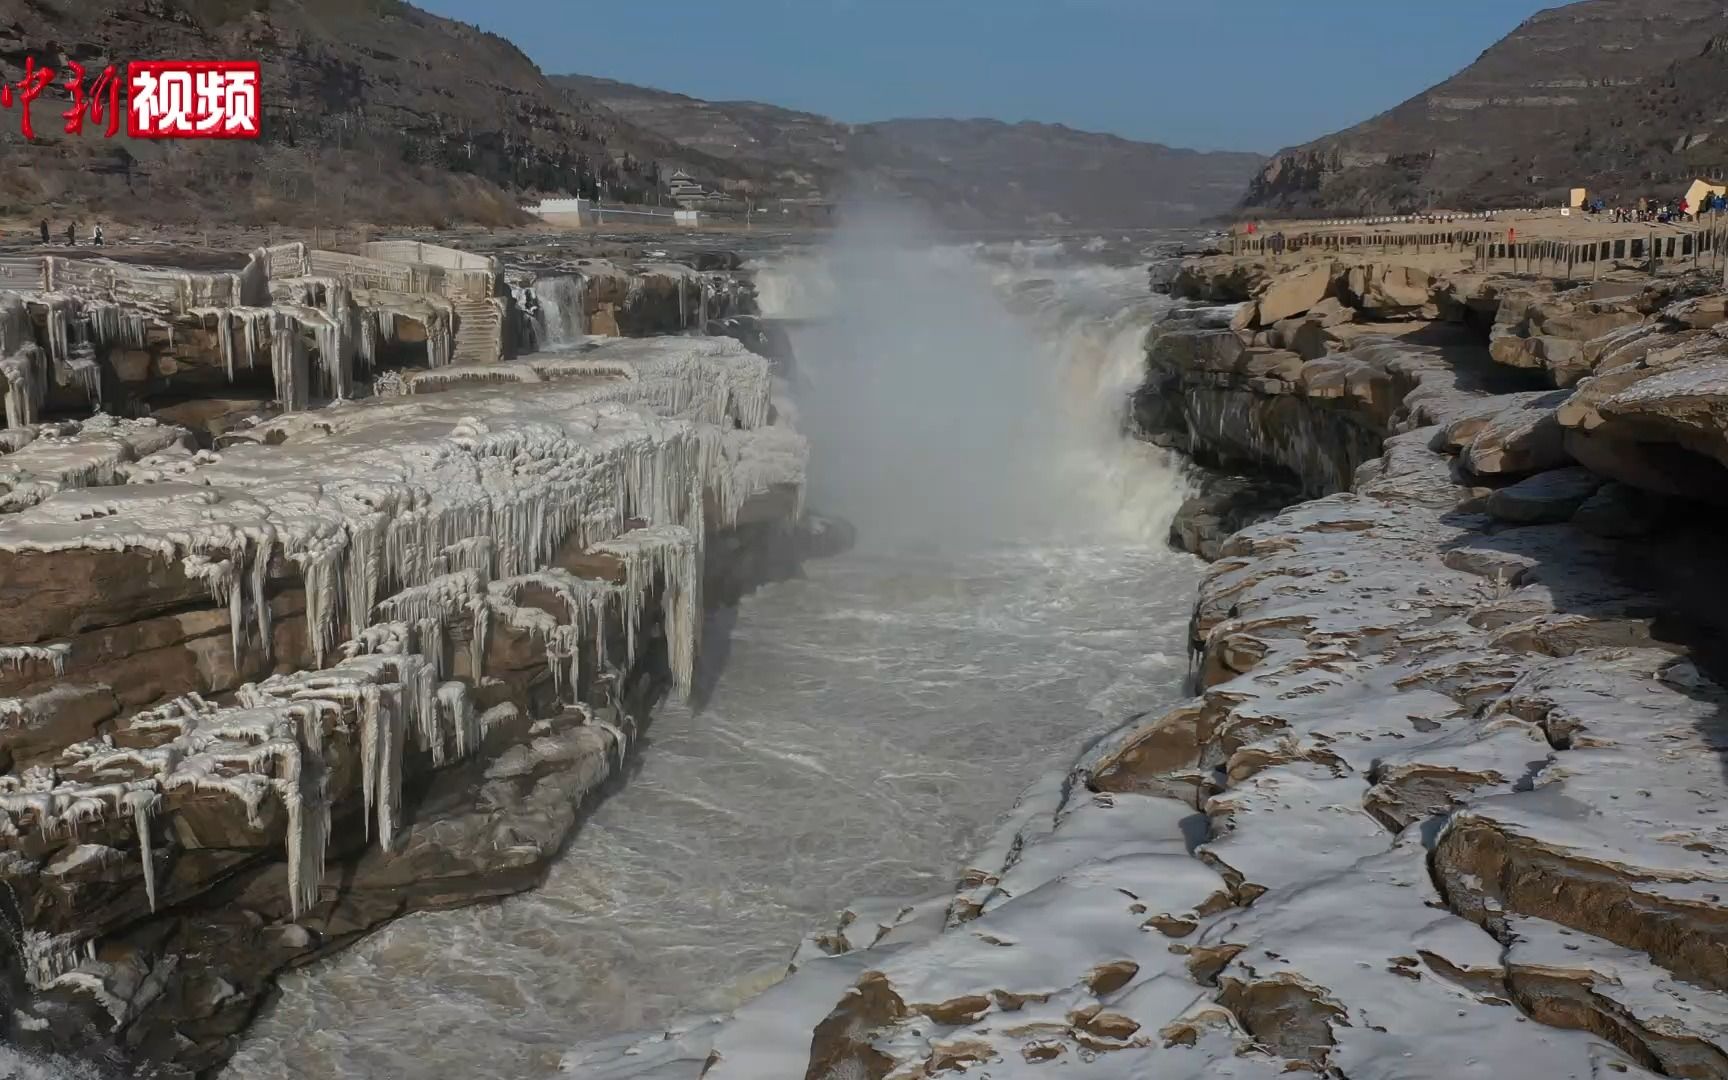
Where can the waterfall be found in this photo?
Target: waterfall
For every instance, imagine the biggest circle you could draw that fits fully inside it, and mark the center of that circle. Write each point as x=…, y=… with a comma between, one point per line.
x=957, y=399
x=563, y=313
x=795, y=286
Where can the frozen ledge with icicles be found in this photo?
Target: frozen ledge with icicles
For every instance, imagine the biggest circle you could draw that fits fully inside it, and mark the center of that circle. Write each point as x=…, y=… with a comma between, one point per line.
x=219, y=668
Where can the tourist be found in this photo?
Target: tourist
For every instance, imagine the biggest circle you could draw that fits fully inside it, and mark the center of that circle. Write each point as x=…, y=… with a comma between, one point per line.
x=96, y=235
x=1277, y=245
x=44, y=230
x=71, y=234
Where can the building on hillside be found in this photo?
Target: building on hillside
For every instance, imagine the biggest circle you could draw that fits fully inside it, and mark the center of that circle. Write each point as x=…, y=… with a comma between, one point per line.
x=681, y=185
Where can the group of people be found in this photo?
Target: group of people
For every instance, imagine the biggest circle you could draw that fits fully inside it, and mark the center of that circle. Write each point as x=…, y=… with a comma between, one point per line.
x=96, y=238
x=1661, y=211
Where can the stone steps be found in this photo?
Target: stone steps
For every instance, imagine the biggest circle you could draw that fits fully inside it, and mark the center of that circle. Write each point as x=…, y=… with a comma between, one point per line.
x=479, y=333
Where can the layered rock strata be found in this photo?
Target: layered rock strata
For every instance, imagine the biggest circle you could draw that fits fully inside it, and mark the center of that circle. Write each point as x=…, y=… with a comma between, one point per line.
x=353, y=662
x=290, y=328
x=1447, y=803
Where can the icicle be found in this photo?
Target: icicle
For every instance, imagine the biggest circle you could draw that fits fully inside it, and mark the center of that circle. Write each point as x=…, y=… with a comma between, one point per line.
x=389, y=758
x=143, y=804
x=225, y=338
x=61, y=311
x=288, y=360
x=17, y=329
x=14, y=657
x=619, y=741
x=666, y=554
x=253, y=324
x=303, y=795
x=440, y=338
x=481, y=629
x=457, y=716
x=26, y=376
x=335, y=347
x=319, y=568
x=371, y=747
x=260, y=603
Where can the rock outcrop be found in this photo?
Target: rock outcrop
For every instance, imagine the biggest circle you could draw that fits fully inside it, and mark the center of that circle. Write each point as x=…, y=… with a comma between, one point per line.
x=289, y=327
x=266, y=686
x=1446, y=803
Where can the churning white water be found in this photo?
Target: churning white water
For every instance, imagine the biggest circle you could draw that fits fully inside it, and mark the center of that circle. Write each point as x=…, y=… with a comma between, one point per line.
x=562, y=317
x=867, y=724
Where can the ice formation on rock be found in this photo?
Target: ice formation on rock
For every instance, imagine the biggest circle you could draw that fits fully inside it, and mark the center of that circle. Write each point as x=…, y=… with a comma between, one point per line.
x=416, y=525
x=669, y=554
x=296, y=304
x=359, y=595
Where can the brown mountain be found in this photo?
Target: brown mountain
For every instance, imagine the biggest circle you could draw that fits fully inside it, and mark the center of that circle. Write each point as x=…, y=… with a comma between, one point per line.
x=377, y=111
x=373, y=110
x=972, y=172
x=1583, y=95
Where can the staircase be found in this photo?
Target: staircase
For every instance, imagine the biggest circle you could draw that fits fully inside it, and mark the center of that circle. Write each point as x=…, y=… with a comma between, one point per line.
x=479, y=331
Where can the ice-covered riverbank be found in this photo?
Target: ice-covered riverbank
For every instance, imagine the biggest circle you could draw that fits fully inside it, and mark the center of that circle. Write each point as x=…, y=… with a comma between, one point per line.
x=861, y=730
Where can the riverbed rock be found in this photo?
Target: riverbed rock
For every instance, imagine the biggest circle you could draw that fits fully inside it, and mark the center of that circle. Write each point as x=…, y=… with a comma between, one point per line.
x=1387, y=680
x=1223, y=506
x=1219, y=279
x=1619, y=510
x=1390, y=291
x=1294, y=292
x=1524, y=438
x=1546, y=497
x=1687, y=406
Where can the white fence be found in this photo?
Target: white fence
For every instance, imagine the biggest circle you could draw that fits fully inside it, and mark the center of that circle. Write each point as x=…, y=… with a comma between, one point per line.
x=413, y=251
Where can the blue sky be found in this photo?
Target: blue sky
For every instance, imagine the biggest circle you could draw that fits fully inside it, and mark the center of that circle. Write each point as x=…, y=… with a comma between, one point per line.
x=1212, y=74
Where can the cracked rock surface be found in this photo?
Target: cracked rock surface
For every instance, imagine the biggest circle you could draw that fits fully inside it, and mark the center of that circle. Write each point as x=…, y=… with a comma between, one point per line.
x=1450, y=799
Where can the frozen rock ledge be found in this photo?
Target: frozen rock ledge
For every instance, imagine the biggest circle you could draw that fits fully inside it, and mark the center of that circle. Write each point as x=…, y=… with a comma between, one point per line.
x=356, y=661
x=1449, y=803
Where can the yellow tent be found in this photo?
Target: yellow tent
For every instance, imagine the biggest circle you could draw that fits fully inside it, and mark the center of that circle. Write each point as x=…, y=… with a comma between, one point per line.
x=1700, y=188
x=1576, y=202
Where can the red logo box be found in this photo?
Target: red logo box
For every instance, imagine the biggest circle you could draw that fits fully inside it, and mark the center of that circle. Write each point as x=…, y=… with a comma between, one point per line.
x=192, y=99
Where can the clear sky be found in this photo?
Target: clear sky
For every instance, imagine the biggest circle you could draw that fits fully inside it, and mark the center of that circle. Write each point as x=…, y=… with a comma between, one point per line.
x=1211, y=74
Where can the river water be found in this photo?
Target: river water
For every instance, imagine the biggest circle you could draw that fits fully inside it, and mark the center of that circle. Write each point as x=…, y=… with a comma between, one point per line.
x=867, y=724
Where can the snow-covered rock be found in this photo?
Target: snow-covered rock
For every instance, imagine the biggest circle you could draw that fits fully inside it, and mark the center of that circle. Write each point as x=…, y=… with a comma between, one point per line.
x=357, y=660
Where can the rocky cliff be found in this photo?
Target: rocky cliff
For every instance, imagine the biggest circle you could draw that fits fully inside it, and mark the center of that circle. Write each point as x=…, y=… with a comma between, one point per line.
x=1447, y=802
x=348, y=615
x=373, y=111
x=1587, y=94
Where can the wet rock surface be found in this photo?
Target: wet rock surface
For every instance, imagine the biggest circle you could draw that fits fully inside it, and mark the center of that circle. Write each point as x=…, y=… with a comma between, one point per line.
x=1448, y=800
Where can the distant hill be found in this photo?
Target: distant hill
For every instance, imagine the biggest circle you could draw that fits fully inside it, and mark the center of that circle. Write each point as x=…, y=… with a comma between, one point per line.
x=373, y=111
x=972, y=172
x=376, y=111
x=1602, y=94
